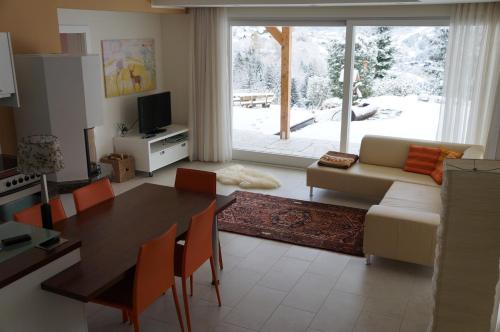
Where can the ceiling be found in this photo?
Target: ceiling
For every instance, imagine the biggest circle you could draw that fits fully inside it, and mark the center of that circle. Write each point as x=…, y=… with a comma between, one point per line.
x=274, y=3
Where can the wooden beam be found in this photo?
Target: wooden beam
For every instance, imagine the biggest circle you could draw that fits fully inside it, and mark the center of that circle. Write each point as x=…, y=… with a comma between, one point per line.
x=276, y=33
x=286, y=57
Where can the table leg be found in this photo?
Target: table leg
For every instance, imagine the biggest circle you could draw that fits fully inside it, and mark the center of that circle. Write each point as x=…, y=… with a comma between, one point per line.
x=215, y=246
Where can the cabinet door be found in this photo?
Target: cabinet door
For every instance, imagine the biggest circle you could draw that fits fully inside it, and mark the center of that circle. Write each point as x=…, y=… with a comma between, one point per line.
x=7, y=86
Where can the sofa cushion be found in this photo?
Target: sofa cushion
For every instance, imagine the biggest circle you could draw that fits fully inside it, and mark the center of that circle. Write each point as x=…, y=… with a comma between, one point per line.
x=392, y=152
x=362, y=179
x=422, y=159
x=437, y=173
x=415, y=197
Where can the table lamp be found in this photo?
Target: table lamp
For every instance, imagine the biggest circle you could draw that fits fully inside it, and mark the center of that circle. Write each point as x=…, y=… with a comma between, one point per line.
x=40, y=154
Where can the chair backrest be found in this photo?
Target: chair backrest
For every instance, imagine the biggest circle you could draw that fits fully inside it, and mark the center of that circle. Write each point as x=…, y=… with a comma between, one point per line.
x=198, y=245
x=33, y=215
x=154, y=272
x=196, y=181
x=92, y=194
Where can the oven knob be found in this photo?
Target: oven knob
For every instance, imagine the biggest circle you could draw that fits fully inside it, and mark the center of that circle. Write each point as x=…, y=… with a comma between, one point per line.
x=26, y=178
x=32, y=176
x=14, y=182
x=7, y=184
x=20, y=180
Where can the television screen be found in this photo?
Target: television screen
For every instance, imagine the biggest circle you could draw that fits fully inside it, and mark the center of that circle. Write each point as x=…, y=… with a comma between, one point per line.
x=154, y=112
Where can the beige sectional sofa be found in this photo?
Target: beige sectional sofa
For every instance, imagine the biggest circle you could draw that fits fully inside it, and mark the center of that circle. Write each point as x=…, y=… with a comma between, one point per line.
x=403, y=225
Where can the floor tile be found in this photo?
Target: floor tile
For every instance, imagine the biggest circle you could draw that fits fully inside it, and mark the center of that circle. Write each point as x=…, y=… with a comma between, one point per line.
x=242, y=246
x=234, y=286
x=288, y=319
x=255, y=308
x=305, y=253
x=329, y=264
x=370, y=322
x=310, y=292
x=284, y=274
x=414, y=326
x=392, y=307
x=339, y=312
x=224, y=327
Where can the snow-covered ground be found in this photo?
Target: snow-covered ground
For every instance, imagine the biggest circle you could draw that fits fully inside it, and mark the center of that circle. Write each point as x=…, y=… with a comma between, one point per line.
x=253, y=127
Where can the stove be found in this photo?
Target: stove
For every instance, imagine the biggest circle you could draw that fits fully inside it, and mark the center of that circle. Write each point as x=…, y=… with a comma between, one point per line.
x=11, y=181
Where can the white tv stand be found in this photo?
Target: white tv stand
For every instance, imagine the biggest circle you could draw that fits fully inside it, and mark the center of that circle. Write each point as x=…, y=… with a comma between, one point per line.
x=155, y=152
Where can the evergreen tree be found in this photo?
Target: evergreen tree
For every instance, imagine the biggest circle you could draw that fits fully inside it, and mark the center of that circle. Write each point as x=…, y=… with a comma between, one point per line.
x=364, y=62
x=295, y=97
x=385, y=51
x=437, y=60
x=335, y=66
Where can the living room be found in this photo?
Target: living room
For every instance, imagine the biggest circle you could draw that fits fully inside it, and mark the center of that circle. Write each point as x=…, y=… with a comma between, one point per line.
x=374, y=237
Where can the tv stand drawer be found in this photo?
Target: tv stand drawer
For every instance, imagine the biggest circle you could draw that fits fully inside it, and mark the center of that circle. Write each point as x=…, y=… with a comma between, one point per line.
x=169, y=155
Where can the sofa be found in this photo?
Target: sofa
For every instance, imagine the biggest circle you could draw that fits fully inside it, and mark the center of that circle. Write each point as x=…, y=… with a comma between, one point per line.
x=403, y=225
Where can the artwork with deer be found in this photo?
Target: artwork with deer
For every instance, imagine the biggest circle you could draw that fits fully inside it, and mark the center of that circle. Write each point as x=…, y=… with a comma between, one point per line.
x=129, y=66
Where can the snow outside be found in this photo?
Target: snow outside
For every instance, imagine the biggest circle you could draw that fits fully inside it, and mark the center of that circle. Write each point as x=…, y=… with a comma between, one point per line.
x=397, y=86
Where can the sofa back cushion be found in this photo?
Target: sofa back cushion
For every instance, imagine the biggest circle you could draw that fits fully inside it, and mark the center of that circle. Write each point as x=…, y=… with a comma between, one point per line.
x=422, y=159
x=393, y=152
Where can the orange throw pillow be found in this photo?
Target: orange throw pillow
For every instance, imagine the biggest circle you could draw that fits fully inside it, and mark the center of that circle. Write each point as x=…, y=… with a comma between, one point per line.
x=422, y=159
x=437, y=174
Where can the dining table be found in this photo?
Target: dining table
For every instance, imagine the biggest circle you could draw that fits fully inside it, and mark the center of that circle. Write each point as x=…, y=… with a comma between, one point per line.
x=112, y=232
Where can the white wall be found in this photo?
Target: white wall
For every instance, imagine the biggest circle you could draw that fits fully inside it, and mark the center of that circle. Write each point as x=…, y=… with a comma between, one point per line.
x=118, y=25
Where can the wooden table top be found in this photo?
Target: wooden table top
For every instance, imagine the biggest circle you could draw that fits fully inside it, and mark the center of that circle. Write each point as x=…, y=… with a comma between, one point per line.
x=113, y=231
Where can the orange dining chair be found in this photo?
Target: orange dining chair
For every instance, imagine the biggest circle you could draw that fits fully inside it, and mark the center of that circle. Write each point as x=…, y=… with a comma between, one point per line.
x=199, y=182
x=92, y=194
x=196, y=250
x=33, y=215
x=153, y=276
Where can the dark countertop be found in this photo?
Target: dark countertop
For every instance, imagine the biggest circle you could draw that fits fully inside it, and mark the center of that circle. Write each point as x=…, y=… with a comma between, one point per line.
x=31, y=260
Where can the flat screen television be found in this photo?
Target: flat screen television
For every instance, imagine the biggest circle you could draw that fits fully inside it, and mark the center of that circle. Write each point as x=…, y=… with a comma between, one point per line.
x=154, y=113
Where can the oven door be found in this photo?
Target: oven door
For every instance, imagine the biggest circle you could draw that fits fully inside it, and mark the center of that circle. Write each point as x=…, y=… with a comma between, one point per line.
x=17, y=201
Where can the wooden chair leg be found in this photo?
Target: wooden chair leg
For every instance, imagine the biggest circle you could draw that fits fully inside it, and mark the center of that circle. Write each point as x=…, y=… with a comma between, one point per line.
x=191, y=285
x=177, y=307
x=186, y=303
x=212, y=265
x=135, y=321
x=221, y=265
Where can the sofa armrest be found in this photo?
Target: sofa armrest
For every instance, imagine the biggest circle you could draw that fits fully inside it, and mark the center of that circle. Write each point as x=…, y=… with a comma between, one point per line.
x=401, y=234
x=474, y=152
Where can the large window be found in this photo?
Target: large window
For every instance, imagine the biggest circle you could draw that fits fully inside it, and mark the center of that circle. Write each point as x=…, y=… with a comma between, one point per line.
x=396, y=86
x=397, y=82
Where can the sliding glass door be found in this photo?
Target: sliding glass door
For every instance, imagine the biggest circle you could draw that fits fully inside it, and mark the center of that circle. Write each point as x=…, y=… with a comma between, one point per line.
x=397, y=82
x=302, y=90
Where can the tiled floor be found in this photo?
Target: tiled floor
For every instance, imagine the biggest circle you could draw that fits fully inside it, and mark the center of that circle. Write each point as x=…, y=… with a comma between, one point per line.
x=272, y=286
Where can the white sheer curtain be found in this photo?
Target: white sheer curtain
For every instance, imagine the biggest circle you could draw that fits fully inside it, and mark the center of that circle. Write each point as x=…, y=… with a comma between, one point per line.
x=472, y=73
x=209, y=98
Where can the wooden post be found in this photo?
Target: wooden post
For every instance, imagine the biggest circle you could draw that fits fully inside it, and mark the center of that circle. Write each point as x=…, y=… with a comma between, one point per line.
x=284, y=38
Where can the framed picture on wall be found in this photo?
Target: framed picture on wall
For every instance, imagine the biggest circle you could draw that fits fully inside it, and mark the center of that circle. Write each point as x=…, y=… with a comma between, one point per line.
x=129, y=66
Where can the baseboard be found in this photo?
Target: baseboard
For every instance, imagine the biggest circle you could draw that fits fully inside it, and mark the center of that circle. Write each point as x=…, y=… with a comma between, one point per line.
x=273, y=159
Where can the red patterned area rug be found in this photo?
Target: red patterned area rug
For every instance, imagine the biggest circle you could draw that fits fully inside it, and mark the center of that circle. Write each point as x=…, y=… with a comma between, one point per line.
x=324, y=226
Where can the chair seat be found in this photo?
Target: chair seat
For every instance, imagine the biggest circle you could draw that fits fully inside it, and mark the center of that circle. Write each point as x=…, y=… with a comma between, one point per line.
x=120, y=294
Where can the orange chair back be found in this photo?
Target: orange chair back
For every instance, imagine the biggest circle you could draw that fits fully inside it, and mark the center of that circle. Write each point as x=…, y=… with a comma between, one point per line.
x=198, y=246
x=33, y=215
x=92, y=194
x=154, y=272
x=196, y=181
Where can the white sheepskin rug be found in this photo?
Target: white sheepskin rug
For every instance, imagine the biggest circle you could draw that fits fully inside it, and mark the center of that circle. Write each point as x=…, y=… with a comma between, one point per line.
x=247, y=178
